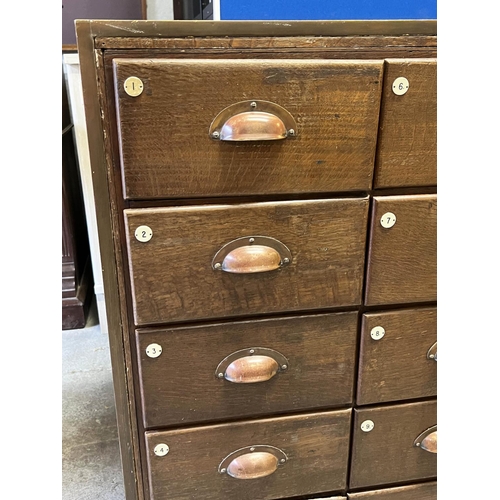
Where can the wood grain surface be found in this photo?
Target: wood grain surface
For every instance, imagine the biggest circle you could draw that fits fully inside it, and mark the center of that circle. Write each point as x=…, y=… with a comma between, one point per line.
x=407, y=146
x=172, y=274
x=402, y=265
x=424, y=491
x=180, y=386
x=166, y=151
x=396, y=367
x=387, y=454
x=315, y=444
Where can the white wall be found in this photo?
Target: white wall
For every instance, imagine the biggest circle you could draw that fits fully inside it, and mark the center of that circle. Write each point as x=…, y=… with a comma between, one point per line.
x=160, y=9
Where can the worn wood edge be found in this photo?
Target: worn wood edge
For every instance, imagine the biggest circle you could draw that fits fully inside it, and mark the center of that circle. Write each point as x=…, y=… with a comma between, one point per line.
x=151, y=28
x=117, y=221
x=388, y=489
x=125, y=417
x=306, y=43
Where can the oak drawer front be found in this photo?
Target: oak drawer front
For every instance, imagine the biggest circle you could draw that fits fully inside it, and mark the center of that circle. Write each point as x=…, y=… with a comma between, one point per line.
x=175, y=278
x=398, y=356
x=167, y=145
x=402, y=266
x=244, y=369
x=425, y=491
x=407, y=152
x=389, y=453
x=299, y=455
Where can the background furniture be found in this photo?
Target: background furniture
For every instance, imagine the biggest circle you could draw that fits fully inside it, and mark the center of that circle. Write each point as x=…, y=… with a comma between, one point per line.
x=73, y=83
x=269, y=254
x=76, y=265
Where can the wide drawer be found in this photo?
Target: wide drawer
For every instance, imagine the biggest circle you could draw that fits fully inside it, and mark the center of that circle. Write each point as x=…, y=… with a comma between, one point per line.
x=398, y=356
x=205, y=127
x=402, y=265
x=264, y=459
x=424, y=491
x=407, y=146
x=313, y=252
x=388, y=444
x=247, y=368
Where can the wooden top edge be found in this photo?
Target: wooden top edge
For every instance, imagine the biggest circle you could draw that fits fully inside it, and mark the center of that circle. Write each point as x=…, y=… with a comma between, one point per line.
x=150, y=28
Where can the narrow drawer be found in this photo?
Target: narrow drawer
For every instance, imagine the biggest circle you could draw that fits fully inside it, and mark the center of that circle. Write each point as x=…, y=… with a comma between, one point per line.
x=388, y=453
x=425, y=491
x=398, y=356
x=245, y=126
x=265, y=459
x=244, y=369
x=402, y=265
x=407, y=152
x=233, y=260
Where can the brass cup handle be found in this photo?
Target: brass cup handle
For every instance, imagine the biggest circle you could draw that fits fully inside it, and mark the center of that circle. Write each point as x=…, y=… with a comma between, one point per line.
x=251, y=254
x=427, y=440
x=432, y=353
x=252, y=365
x=253, y=121
x=253, y=462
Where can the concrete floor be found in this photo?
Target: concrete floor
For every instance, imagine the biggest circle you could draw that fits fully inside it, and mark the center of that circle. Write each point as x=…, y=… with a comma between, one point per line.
x=91, y=468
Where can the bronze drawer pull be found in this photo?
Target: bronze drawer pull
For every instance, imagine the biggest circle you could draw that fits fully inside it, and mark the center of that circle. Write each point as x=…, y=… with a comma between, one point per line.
x=251, y=254
x=428, y=440
x=432, y=353
x=253, y=121
x=253, y=462
x=252, y=365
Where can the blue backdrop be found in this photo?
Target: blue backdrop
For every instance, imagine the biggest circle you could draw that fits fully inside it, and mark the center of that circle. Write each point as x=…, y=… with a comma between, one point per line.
x=327, y=9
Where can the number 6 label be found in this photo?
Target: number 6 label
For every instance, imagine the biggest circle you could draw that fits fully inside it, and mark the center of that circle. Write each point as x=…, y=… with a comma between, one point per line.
x=400, y=85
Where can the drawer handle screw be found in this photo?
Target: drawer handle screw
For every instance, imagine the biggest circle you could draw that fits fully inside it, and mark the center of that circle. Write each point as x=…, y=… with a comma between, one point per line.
x=367, y=426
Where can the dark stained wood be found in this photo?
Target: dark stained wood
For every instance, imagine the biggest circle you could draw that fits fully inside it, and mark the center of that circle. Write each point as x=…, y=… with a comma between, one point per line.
x=350, y=44
x=92, y=81
x=191, y=40
x=386, y=454
x=425, y=491
x=315, y=444
x=166, y=150
x=180, y=385
x=396, y=367
x=326, y=239
x=407, y=147
x=402, y=266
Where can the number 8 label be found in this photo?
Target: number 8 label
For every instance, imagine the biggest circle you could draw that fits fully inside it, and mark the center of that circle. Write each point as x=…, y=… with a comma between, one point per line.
x=377, y=332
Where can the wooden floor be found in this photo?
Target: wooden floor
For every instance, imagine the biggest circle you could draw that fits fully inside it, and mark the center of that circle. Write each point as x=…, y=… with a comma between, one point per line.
x=91, y=468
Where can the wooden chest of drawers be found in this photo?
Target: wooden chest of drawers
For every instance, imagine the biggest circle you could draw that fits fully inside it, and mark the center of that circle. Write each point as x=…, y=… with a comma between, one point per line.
x=266, y=200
